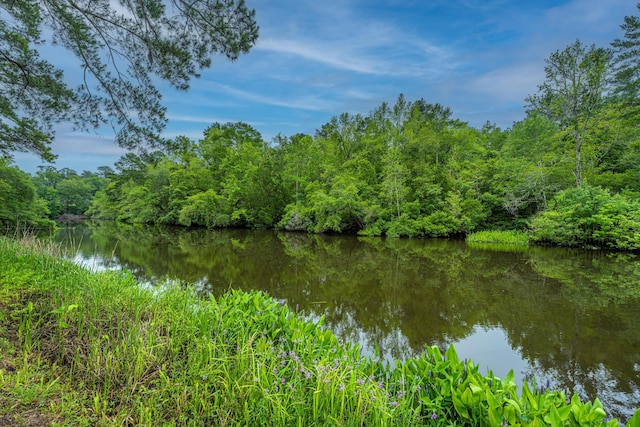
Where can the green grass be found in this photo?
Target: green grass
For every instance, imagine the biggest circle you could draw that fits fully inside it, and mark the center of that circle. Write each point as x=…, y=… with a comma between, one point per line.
x=83, y=348
x=511, y=237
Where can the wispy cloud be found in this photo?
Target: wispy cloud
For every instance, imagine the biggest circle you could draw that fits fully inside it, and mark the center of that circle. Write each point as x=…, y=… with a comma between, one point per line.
x=508, y=84
x=590, y=16
x=311, y=103
x=349, y=37
x=188, y=118
x=77, y=143
x=388, y=57
x=191, y=134
x=323, y=54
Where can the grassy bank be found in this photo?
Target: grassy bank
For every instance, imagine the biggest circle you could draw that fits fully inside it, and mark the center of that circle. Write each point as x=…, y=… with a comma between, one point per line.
x=84, y=348
x=510, y=237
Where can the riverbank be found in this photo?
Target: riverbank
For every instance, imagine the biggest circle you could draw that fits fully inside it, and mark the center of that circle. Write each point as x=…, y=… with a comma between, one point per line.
x=85, y=348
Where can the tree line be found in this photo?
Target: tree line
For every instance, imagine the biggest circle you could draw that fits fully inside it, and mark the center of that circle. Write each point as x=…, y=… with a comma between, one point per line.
x=37, y=200
x=408, y=169
x=568, y=172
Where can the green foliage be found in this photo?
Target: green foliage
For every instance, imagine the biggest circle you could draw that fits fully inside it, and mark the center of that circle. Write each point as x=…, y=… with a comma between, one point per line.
x=136, y=206
x=407, y=169
x=404, y=170
x=66, y=192
x=589, y=216
x=403, y=225
x=634, y=421
x=531, y=166
x=20, y=206
x=573, y=91
x=205, y=209
x=454, y=390
x=627, y=72
x=297, y=217
x=341, y=209
x=440, y=224
x=357, y=175
x=512, y=237
x=300, y=162
x=120, y=50
x=101, y=207
x=614, y=148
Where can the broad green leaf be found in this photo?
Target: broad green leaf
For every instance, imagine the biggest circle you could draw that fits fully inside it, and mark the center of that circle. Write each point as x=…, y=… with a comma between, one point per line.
x=475, y=389
x=460, y=406
x=530, y=398
x=452, y=355
x=634, y=421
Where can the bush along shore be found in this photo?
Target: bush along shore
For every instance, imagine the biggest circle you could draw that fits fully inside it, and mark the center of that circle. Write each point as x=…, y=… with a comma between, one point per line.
x=97, y=348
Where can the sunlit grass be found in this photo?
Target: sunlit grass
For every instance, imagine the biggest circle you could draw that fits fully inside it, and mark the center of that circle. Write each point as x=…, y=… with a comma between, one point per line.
x=510, y=237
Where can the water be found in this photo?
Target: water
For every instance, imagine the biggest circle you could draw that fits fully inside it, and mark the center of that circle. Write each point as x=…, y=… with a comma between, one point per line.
x=570, y=317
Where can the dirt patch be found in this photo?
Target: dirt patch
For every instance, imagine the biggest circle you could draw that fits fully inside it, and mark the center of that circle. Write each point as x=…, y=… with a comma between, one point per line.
x=35, y=418
x=7, y=420
x=6, y=366
x=31, y=418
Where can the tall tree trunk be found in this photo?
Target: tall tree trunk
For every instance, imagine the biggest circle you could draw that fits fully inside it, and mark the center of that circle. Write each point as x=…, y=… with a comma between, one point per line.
x=397, y=195
x=578, y=159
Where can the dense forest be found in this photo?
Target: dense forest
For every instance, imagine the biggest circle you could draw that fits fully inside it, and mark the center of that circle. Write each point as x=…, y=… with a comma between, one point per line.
x=568, y=173
x=35, y=201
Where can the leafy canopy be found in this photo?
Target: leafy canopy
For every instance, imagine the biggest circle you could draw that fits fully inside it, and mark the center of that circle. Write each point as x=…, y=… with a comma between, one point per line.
x=573, y=91
x=627, y=66
x=123, y=48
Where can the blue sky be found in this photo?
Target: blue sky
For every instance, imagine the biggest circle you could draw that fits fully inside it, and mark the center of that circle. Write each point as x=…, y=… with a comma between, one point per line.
x=316, y=59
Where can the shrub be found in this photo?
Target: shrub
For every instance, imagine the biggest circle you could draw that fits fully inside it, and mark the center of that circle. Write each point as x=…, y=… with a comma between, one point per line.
x=589, y=216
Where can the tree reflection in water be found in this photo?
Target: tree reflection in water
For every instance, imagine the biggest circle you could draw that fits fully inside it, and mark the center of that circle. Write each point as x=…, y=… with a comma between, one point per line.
x=568, y=316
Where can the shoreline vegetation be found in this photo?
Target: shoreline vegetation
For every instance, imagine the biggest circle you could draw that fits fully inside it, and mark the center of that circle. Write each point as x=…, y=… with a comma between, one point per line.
x=508, y=237
x=97, y=348
x=349, y=179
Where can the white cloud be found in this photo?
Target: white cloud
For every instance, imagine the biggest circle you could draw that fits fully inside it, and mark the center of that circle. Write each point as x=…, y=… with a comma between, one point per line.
x=324, y=54
x=188, y=118
x=191, y=134
x=309, y=102
x=507, y=84
x=590, y=16
x=388, y=57
x=87, y=144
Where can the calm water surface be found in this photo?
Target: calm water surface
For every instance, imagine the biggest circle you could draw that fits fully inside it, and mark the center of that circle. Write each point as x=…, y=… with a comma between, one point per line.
x=571, y=317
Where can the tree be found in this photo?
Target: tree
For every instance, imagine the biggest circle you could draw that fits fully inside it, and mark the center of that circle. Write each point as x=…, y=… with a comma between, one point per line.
x=66, y=192
x=123, y=49
x=589, y=216
x=19, y=203
x=75, y=195
x=343, y=136
x=615, y=160
x=531, y=166
x=627, y=61
x=429, y=123
x=573, y=91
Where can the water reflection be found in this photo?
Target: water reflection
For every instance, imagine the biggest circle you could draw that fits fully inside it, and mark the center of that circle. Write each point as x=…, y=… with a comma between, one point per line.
x=569, y=316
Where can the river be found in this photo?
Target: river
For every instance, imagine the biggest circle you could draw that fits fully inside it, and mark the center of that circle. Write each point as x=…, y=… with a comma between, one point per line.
x=567, y=316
